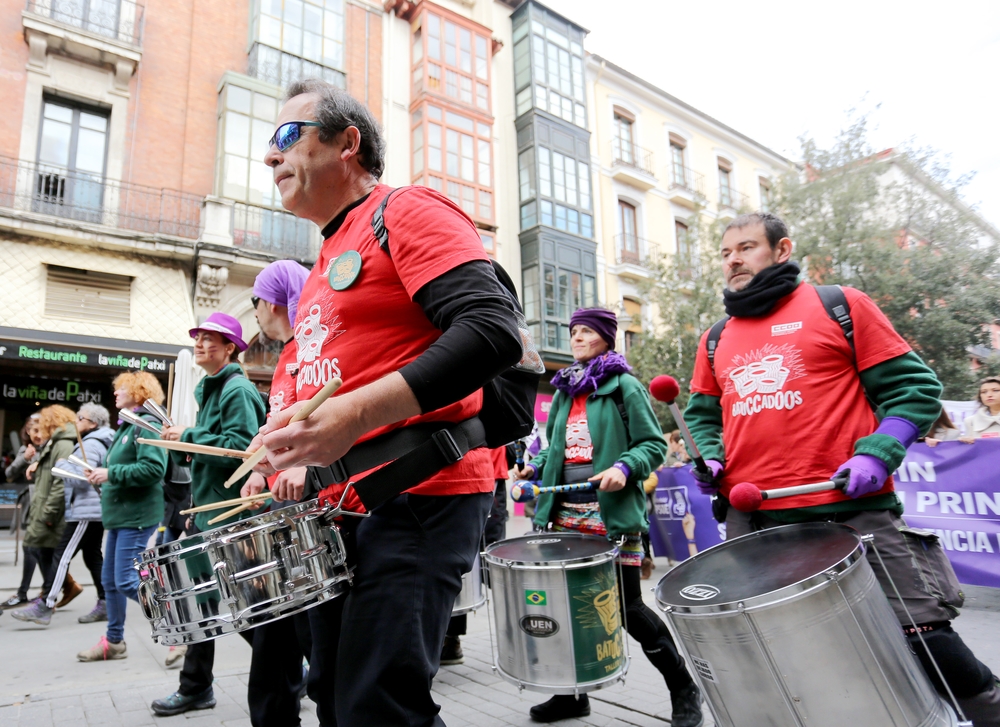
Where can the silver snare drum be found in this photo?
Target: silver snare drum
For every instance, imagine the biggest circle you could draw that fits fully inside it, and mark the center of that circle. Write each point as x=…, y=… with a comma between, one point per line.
x=555, y=601
x=788, y=627
x=473, y=594
x=241, y=575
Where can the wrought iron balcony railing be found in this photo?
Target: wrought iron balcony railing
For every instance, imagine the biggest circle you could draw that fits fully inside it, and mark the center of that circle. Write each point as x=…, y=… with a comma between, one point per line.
x=631, y=155
x=274, y=66
x=687, y=178
x=275, y=232
x=51, y=190
x=632, y=250
x=733, y=199
x=119, y=20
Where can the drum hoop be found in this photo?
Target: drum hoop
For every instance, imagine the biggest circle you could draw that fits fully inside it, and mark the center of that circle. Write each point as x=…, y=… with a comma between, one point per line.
x=553, y=565
x=615, y=676
x=780, y=596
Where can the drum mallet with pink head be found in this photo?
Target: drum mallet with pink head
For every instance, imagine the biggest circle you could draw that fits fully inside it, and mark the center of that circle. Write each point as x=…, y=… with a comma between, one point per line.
x=526, y=491
x=747, y=497
x=665, y=388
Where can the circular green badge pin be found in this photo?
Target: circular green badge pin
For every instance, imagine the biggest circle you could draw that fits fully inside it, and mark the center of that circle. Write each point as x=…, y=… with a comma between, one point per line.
x=345, y=270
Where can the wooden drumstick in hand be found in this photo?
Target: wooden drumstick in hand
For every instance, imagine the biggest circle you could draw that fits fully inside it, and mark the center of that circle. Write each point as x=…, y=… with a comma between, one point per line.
x=308, y=408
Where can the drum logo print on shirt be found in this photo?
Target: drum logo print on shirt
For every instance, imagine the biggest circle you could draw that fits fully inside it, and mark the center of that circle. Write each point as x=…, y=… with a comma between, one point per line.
x=760, y=378
x=579, y=445
x=310, y=335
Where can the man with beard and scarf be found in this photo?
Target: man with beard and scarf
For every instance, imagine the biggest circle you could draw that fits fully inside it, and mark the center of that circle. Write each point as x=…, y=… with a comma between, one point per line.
x=787, y=400
x=596, y=395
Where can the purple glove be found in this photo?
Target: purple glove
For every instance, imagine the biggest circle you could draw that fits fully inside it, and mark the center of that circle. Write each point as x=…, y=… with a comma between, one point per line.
x=866, y=473
x=708, y=482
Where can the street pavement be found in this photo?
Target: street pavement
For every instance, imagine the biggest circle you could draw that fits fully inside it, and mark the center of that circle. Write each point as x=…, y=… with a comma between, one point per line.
x=43, y=684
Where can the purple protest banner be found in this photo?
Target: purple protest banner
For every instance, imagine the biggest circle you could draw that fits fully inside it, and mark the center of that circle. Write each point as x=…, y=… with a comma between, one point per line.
x=954, y=490
x=679, y=507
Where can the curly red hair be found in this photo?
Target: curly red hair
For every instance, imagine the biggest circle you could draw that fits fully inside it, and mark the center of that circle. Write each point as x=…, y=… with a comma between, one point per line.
x=140, y=385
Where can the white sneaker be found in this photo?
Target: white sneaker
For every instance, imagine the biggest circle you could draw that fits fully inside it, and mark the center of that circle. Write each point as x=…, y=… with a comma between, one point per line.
x=176, y=654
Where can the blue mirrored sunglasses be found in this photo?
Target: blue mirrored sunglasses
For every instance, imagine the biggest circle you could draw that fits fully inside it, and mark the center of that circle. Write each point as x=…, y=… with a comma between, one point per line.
x=288, y=134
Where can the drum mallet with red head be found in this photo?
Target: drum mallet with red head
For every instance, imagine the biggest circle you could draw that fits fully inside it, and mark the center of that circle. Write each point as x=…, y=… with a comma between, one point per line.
x=526, y=491
x=665, y=388
x=747, y=497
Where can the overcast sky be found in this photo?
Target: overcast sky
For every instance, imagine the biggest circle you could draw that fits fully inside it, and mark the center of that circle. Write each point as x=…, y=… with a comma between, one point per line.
x=776, y=70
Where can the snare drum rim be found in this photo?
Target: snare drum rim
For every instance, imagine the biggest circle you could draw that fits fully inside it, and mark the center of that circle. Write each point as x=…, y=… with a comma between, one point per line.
x=791, y=592
x=563, y=564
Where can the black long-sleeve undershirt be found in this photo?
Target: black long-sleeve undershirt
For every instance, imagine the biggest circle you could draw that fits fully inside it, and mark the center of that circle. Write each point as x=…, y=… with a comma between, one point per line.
x=479, y=336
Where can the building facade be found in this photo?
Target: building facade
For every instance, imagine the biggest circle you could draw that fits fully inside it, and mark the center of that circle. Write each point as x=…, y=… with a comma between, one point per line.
x=662, y=168
x=133, y=196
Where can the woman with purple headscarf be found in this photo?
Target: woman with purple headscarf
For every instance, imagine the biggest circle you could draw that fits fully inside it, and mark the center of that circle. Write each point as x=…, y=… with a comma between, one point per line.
x=602, y=429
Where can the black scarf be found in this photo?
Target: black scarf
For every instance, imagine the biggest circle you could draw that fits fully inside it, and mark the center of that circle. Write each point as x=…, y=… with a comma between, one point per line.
x=765, y=289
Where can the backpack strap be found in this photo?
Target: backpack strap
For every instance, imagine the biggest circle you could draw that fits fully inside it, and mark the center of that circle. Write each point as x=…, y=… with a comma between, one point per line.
x=712, y=342
x=619, y=399
x=837, y=307
x=378, y=222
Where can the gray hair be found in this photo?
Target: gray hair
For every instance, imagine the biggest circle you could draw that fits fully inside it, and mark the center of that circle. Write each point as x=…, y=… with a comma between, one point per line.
x=336, y=110
x=95, y=413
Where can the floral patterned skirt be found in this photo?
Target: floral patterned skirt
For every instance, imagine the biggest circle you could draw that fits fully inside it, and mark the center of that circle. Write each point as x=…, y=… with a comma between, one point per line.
x=585, y=517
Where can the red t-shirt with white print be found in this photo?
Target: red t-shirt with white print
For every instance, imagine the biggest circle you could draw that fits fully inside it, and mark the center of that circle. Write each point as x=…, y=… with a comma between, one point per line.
x=579, y=445
x=282, y=392
x=792, y=402
x=373, y=327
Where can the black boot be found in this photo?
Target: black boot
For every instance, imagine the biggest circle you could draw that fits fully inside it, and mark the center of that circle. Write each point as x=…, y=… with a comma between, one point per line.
x=685, y=707
x=561, y=706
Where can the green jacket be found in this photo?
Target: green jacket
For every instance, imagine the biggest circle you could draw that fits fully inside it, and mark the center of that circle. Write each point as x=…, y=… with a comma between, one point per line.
x=642, y=448
x=133, y=495
x=903, y=387
x=230, y=411
x=48, y=503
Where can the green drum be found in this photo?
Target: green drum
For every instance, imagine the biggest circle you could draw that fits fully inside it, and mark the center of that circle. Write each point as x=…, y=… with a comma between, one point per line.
x=555, y=604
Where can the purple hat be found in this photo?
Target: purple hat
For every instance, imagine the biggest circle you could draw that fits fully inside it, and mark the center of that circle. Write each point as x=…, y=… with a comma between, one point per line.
x=280, y=283
x=603, y=322
x=226, y=325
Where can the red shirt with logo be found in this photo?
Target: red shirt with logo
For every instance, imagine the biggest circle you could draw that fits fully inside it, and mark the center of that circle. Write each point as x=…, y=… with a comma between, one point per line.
x=792, y=402
x=372, y=327
x=282, y=392
x=579, y=445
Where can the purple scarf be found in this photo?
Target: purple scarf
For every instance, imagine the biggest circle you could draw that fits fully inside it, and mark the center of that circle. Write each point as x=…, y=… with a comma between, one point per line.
x=584, y=377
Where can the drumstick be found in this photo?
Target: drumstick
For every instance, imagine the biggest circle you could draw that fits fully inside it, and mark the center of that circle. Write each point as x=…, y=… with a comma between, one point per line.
x=170, y=392
x=79, y=441
x=228, y=503
x=308, y=408
x=194, y=448
x=526, y=491
x=747, y=497
x=229, y=513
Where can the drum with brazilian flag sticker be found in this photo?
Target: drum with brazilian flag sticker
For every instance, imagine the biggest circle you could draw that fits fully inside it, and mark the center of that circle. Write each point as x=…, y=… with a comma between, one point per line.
x=556, y=609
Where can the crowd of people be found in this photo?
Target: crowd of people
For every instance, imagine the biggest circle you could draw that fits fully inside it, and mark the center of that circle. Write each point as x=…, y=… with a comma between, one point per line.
x=406, y=308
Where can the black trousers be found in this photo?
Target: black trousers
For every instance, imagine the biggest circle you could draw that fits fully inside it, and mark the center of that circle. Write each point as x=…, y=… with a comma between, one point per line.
x=196, y=674
x=276, y=671
x=27, y=570
x=40, y=556
x=650, y=631
x=411, y=554
x=85, y=535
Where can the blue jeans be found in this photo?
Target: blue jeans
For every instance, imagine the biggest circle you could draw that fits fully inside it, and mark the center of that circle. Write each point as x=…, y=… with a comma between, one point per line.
x=120, y=579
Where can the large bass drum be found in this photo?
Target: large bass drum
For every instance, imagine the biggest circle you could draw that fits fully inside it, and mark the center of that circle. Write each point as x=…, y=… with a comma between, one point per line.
x=788, y=627
x=555, y=604
x=241, y=575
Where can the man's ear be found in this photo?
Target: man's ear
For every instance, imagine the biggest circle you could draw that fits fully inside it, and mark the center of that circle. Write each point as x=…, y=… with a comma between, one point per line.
x=351, y=139
x=784, y=248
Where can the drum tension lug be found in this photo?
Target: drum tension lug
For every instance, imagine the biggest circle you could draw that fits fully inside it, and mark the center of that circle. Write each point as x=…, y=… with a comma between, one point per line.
x=833, y=576
x=869, y=538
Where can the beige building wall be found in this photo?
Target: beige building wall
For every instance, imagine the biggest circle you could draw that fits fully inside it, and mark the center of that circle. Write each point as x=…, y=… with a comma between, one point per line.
x=643, y=176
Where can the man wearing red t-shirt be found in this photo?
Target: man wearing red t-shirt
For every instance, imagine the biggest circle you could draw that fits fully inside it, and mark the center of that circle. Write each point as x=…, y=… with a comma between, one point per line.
x=784, y=403
x=414, y=329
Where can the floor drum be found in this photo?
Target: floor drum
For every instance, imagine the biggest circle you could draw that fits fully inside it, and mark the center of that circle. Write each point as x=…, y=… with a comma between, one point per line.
x=555, y=605
x=788, y=627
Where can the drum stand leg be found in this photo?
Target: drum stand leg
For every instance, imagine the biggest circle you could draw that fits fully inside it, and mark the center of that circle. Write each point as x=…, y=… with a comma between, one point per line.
x=772, y=667
x=624, y=607
x=962, y=721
